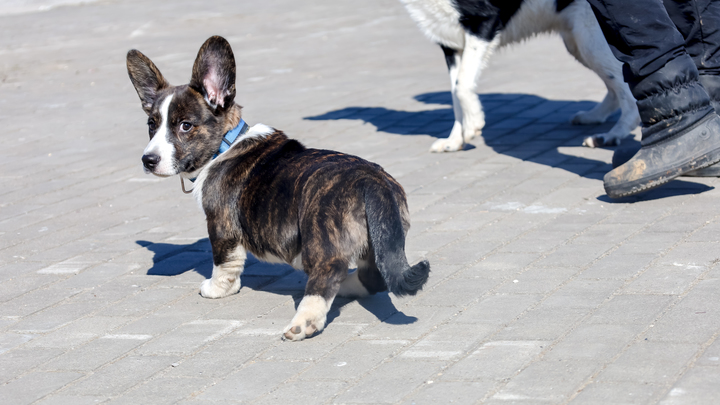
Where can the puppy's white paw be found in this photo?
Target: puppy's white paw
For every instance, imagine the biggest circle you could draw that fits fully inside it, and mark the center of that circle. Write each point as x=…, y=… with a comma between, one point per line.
x=210, y=289
x=446, y=145
x=309, y=319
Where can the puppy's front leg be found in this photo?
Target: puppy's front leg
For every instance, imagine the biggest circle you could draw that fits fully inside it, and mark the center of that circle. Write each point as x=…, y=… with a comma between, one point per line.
x=225, y=278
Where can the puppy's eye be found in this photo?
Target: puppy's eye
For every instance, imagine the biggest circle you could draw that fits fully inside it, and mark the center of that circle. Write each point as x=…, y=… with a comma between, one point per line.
x=151, y=124
x=186, y=126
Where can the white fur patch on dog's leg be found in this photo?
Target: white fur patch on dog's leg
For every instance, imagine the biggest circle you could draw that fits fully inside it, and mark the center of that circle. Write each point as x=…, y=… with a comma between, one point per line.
x=225, y=278
x=475, y=56
x=309, y=319
x=352, y=286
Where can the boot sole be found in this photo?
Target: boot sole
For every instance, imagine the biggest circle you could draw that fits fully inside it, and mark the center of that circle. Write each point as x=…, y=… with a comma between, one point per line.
x=648, y=184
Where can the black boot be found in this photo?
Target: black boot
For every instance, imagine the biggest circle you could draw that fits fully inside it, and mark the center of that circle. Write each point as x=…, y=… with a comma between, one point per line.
x=681, y=132
x=711, y=83
x=624, y=153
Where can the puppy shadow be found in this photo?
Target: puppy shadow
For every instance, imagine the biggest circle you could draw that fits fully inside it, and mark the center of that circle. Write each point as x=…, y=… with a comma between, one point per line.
x=175, y=259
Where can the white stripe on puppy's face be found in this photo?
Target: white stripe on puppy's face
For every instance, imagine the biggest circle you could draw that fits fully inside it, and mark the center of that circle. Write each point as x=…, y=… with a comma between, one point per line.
x=160, y=143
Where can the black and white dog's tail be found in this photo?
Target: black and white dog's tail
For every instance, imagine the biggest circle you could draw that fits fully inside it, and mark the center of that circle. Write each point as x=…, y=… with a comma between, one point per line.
x=387, y=238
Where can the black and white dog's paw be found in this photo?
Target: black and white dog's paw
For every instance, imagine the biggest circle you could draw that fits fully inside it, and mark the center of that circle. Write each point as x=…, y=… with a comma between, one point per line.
x=600, y=140
x=211, y=289
x=447, y=145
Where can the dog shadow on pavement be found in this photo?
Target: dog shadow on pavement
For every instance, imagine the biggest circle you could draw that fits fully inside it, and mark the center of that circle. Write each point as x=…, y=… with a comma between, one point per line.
x=524, y=126
x=174, y=259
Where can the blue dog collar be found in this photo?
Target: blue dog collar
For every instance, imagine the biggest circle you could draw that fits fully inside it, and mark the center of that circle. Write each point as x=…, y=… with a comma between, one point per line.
x=232, y=136
x=227, y=141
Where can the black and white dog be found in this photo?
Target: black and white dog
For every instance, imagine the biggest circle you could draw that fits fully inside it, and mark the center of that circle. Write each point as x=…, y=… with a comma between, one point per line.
x=263, y=193
x=469, y=30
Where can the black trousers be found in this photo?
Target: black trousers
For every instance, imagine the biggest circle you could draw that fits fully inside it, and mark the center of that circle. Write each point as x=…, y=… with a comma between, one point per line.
x=668, y=47
x=646, y=34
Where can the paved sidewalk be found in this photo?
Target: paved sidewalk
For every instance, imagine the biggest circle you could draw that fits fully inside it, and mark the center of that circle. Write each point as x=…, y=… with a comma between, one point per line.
x=543, y=291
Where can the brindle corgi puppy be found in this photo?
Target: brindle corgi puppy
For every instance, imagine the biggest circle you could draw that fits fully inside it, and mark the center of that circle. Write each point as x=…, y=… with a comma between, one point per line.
x=264, y=193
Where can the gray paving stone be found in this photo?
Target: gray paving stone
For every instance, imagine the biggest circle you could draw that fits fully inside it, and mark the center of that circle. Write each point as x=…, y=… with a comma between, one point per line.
x=190, y=336
x=454, y=292
x=450, y=392
x=60, y=399
x=42, y=383
x=218, y=359
x=543, y=322
x=162, y=390
x=53, y=318
x=665, y=279
x=536, y=280
x=116, y=378
x=688, y=322
x=496, y=360
x=696, y=387
x=582, y=293
x=625, y=393
x=390, y=382
x=345, y=363
x=252, y=381
x=411, y=323
x=630, y=309
x=78, y=332
x=593, y=342
x=304, y=392
x=143, y=302
x=619, y=264
x=17, y=362
x=497, y=309
x=711, y=355
x=650, y=362
x=547, y=381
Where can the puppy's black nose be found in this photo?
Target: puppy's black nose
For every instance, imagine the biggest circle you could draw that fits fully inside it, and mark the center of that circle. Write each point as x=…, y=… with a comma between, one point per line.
x=150, y=161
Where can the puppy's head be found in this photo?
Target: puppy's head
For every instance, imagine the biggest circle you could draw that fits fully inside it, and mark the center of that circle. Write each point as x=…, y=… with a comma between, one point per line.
x=186, y=123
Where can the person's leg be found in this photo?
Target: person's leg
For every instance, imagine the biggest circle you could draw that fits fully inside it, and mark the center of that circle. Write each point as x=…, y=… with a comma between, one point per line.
x=680, y=130
x=699, y=23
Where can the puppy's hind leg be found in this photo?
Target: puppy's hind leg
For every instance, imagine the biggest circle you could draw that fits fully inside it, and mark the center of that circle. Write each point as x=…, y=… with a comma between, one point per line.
x=226, y=272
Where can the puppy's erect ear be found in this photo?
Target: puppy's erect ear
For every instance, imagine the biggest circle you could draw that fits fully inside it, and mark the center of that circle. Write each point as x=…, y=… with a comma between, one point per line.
x=146, y=78
x=213, y=73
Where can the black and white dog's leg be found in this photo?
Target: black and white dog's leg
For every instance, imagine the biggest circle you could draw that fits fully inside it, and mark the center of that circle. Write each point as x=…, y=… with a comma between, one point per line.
x=472, y=61
x=453, y=59
x=585, y=41
x=225, y=278
x=323, y=283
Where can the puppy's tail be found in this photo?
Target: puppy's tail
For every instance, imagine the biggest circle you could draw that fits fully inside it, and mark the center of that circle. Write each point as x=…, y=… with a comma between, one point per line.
x=387, y=238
